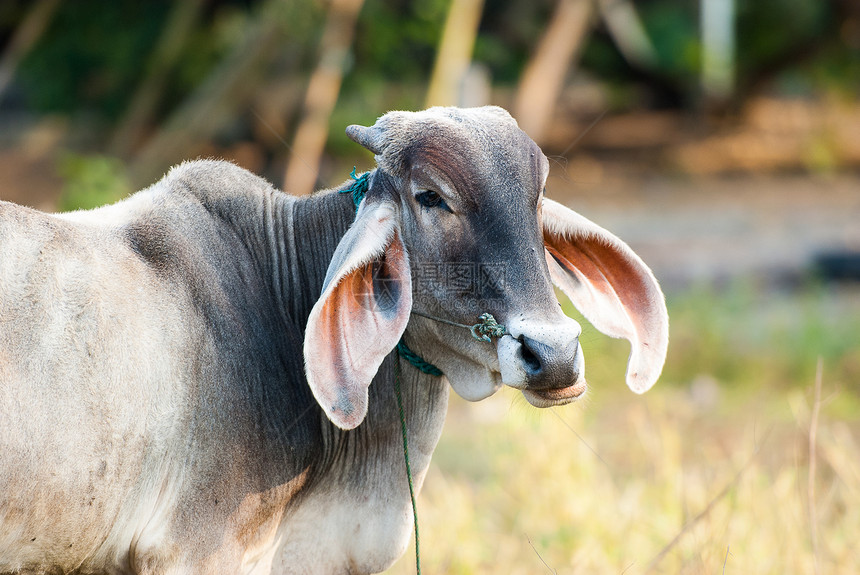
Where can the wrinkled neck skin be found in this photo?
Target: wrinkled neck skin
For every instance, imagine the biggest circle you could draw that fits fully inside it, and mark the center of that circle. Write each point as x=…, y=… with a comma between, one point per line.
x=356, y=498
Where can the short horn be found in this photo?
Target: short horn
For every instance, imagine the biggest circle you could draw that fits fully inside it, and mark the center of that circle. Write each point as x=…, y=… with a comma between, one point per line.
x=367, y=137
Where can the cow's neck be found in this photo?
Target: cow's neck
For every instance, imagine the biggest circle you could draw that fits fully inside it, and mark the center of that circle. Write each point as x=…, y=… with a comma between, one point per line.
x=312, y=232
x=312, y=229
x=362, y=470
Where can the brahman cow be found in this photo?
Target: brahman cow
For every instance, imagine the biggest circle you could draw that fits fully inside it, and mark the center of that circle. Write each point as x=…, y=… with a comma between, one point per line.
x=199, y=378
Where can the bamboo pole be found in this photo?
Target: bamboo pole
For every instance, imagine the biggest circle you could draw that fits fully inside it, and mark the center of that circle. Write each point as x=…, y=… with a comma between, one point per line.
x=455, y=52
x=718, y=49
x=323, y=89
x=543, y=77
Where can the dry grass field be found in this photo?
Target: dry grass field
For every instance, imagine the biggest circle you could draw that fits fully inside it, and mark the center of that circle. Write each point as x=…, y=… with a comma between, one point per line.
x=733, y=463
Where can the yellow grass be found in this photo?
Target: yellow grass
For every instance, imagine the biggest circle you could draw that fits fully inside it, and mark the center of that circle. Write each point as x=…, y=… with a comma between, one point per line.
x=696, y=476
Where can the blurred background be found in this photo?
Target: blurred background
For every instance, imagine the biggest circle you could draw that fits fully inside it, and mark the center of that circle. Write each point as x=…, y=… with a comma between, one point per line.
x=719, y=138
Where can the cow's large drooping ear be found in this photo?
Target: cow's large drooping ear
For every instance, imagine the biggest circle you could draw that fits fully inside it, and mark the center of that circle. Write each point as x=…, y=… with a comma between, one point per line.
x=364, y=307
x=610, y=286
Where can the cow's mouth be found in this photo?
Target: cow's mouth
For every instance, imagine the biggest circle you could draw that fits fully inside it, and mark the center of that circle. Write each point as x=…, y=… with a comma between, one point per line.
x=559, y=396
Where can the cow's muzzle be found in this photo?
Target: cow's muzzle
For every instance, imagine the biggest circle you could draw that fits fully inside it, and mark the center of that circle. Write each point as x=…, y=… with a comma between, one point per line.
x=543, y=360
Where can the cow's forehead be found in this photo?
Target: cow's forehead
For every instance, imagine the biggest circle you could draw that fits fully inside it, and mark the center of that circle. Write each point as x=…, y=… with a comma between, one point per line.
x=489, y=129
x=473, y=148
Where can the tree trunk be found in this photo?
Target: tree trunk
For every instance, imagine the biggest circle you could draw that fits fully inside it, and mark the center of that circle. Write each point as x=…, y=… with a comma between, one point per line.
x=543, y=77
x=323, y=90
x=455, y=52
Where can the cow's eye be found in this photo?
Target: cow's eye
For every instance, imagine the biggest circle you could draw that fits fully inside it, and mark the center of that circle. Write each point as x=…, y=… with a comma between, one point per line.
x=431, y=199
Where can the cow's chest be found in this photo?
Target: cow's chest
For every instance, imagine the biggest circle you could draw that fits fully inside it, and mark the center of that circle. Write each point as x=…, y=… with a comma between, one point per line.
x=344, y=532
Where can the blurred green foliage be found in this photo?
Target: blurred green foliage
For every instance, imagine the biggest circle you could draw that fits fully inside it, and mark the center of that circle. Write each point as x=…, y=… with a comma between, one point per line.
x=396, y=40
x=804, y=46
x=91, y=181
x=94, y=52
x=91, y=56
x=95, y=56
x=768, y=29
x=509, y=32
x=674, y=30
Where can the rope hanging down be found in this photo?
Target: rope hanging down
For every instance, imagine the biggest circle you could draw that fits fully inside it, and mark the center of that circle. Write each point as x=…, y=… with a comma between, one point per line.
x=486, y=329
x=406, y=457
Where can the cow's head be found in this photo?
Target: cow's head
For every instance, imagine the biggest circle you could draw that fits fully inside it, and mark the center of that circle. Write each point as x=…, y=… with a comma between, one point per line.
x=455, y=224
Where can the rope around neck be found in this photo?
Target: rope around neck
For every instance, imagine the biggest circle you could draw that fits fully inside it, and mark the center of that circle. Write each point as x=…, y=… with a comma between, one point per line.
x=359, y=188
x=416, y=360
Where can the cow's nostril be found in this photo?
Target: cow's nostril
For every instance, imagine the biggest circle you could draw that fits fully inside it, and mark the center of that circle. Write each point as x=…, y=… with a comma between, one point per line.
x=546, y=367
x=531, y=361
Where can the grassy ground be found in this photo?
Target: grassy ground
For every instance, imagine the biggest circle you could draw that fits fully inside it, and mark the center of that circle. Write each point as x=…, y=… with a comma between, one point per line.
x=729, y=465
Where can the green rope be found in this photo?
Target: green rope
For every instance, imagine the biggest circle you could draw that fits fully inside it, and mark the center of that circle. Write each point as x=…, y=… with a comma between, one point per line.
x=484, y=330
x=359, y=188
x=487, y=328
x=406, y=458
x=416, y=360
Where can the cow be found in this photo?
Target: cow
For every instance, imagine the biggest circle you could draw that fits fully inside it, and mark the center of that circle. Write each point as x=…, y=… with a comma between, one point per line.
x=200, y=378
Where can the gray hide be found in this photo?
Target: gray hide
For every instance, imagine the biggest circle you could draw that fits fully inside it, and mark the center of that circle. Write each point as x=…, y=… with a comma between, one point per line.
x=155, y=412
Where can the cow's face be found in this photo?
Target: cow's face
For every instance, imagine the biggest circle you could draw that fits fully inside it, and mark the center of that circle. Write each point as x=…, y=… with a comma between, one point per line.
x=455, y=224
